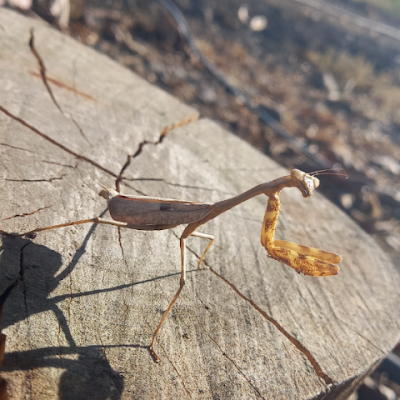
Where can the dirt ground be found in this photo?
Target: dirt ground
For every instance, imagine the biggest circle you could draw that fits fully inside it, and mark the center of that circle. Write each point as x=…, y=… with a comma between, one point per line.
x=328, y=72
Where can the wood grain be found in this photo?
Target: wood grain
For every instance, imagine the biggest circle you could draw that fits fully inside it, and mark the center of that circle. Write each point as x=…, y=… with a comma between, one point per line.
x=80, y=321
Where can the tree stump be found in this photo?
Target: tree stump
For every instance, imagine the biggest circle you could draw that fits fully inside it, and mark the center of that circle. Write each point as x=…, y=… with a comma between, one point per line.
x=89, y=297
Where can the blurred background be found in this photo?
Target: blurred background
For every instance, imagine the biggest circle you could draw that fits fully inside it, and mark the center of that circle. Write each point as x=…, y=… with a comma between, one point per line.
x=313, y=84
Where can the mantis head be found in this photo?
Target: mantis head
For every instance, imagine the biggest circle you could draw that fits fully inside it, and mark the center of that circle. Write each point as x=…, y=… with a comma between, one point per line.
x=304, y=182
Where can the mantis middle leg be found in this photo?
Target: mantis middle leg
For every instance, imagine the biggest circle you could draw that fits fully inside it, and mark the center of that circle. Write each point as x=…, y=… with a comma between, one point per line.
x=307, y=260
x=205, y=236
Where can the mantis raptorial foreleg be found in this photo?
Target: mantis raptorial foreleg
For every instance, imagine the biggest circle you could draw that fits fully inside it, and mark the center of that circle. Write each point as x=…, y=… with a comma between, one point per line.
x=310, y=251
x=307, y=260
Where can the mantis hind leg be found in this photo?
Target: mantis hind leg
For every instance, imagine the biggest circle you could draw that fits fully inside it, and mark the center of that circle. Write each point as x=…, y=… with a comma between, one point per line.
x=96, y=220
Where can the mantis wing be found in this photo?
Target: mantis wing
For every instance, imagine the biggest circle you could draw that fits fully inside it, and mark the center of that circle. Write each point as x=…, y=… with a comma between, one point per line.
x=155, y=211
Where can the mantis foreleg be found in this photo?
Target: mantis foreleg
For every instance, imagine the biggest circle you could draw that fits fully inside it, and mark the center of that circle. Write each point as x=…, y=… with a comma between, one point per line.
x=310, y=251
x=307, y=260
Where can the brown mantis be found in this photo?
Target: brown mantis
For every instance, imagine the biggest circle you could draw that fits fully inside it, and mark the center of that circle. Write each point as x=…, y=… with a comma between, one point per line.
x=151, y=213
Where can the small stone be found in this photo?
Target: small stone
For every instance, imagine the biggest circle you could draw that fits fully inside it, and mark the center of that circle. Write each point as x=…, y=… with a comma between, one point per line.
x=243, y=14
x=258, y=23
x=347, y=200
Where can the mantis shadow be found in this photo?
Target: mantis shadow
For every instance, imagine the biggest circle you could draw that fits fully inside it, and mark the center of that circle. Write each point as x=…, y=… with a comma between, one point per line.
x=87, y=376
x=36, y=268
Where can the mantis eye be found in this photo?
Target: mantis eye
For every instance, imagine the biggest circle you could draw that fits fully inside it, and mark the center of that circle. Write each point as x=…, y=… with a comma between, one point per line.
x=297, y=175
x=305, y=183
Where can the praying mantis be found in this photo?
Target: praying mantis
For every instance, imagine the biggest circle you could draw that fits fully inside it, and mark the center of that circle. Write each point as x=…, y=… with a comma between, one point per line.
x=152, y=213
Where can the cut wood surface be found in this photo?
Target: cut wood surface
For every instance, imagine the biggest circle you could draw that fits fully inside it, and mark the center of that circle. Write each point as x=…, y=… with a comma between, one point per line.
x=89, y=298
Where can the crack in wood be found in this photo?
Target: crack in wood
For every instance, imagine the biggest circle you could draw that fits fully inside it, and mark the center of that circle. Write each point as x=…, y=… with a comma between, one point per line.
x=124, y=167
x=125, y=262
x=43, y=74
x=61, y=165
x=69, y=302
x=3, y=298
x=175, y=184
x=37, y=180
x=293, y=340
x=173, y=366
x=236, y=366
x=361, y=336
x=70, y=291
x=179, y=124
x=164, y=132
x=64, y=86
x=42, y=69
x=55, y=143
x=26, y=214
x=18, y=148
x=136, y=190
x=204, y=304
x=22, y=274
x=354, y=330
x=59, y=343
